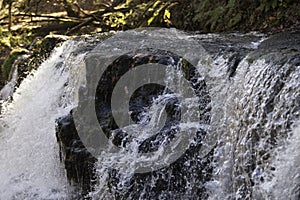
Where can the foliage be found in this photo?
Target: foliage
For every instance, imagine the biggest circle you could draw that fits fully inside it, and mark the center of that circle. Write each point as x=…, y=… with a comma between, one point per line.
x=20, y=38
x=36, y=53
x=12, y=45
x=204, y=15
x=246, y=15
x=23, y=20
x=135, y=14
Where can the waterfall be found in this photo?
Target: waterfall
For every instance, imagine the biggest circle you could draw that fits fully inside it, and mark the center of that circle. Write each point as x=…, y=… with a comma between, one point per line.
x=29, y=160
x=286, y=176
x=253, y=121
x=224, y=107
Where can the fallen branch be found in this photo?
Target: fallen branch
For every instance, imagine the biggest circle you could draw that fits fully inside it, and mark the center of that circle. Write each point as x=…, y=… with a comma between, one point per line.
x=48, y=16
x=61, y=28
x=96, y=16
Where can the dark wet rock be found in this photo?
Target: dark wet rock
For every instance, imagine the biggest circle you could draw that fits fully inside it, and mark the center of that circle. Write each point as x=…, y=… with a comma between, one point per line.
x=222, y=44
x=78, y=161
x=13, y=57
x=4, y=52
x=183, y=178
x=233, y=63
x=169, y=182
x=281, y=46
x=284, y=40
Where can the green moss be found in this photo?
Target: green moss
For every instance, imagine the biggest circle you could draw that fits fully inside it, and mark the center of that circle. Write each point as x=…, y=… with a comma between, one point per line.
x=249, y=60
x=7, y=65
x=37, y=52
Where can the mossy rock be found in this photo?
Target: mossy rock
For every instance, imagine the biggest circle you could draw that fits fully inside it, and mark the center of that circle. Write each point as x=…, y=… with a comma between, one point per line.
x=8, y=63
x=40, y=50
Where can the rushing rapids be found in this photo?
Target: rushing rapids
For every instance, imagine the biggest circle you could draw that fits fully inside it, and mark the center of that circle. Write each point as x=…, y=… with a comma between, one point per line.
x=218, y=115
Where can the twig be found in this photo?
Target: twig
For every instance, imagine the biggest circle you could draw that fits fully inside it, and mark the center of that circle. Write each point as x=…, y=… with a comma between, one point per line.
x=77, y=27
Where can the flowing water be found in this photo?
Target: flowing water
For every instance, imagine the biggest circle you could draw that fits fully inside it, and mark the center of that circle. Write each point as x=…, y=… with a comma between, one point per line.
x=30, y=166
x=253, y=130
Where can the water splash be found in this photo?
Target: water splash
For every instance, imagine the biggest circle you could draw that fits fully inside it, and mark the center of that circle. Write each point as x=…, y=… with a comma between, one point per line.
x=30, y=166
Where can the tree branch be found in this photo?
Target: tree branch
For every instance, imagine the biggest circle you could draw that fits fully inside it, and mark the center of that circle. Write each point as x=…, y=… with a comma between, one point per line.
x=49, y=16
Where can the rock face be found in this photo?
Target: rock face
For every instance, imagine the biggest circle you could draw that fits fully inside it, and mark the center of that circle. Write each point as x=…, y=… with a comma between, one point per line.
x=169, y=182
x=79, y=163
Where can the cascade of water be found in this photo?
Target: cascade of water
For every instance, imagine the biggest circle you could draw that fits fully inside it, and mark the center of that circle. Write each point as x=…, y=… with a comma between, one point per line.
x=29, y=159
x=261, y=105
x=246, y=141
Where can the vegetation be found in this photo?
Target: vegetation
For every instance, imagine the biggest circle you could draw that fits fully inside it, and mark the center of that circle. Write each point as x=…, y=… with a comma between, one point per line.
x=7, y=65
x=25, y=21
x=245, y=15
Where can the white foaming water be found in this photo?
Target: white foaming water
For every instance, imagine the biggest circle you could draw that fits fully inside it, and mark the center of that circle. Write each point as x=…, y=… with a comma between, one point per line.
x=29, y=154
x=286, y=178
x=251, y=129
